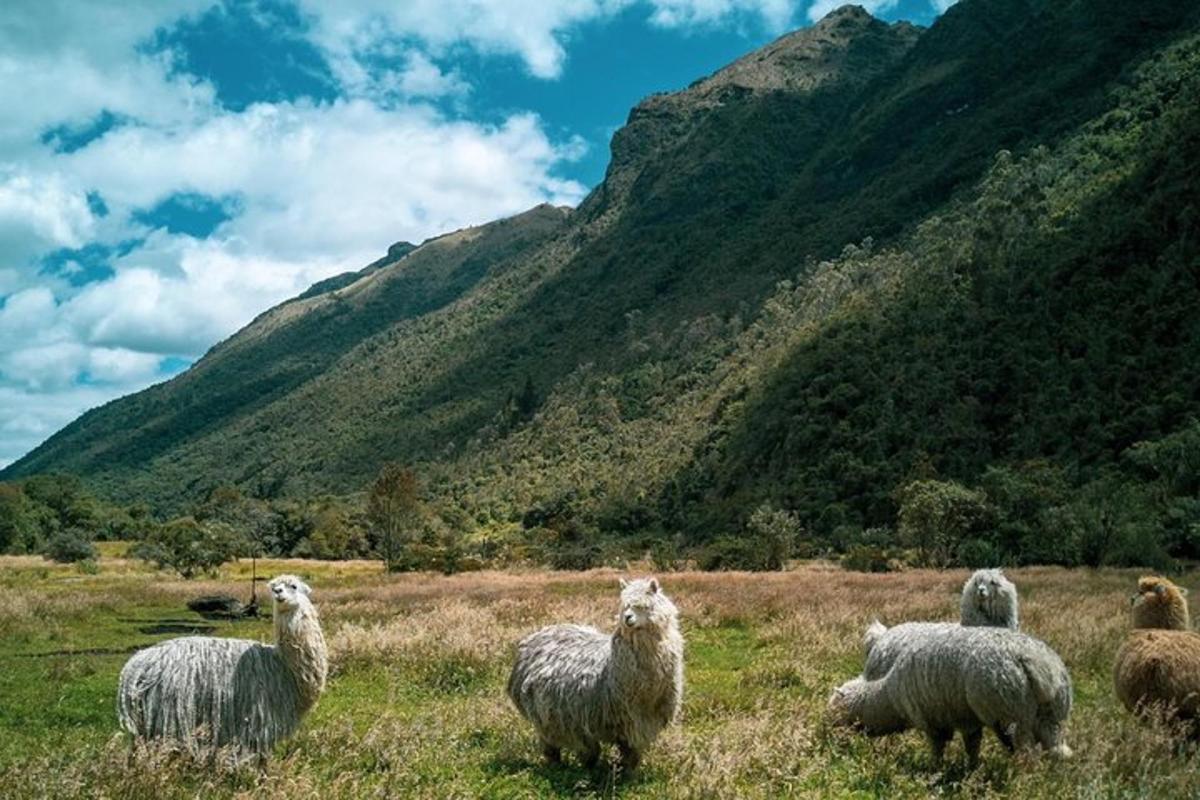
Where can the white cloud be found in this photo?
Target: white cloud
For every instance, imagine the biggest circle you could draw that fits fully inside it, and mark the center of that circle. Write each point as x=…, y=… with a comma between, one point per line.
x=941, y=5
x=39, y=214
x=776, y=15
x=535, y=32
x=65, y=61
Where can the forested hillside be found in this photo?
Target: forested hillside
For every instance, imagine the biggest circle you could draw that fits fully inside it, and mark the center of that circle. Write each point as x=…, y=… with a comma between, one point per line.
x=871, y=285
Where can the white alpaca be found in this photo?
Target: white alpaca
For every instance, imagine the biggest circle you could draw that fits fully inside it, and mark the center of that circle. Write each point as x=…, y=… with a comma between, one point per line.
x=581, y=688
x=204, y=693
x=989, y=599
x=939, y=677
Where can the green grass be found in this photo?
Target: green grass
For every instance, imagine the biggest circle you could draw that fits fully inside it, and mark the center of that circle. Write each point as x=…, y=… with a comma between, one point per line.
x=415, y=705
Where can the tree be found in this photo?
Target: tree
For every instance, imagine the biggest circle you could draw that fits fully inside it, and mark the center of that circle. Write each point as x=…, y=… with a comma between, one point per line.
x=393, y=510
x=190, y=547
x=774, y=534
x=70, y=546
x=936, y=517
x=18, y=520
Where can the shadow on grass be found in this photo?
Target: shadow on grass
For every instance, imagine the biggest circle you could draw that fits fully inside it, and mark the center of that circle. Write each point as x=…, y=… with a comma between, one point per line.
x=566, y=778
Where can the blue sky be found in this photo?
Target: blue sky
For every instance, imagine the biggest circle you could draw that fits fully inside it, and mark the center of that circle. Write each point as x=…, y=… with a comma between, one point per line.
x=170, y=169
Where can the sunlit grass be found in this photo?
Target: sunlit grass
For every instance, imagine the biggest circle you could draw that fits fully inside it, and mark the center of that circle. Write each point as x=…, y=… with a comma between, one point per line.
x=416, y=707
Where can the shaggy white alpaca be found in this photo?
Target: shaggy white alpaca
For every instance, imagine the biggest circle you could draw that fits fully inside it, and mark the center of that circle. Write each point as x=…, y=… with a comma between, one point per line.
x=581, y=688
x=989, y=599
x=942, y=677
x=204, y=693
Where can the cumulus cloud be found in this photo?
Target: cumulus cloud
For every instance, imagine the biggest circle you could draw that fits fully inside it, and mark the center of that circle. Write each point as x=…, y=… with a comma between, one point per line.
x=775, y=14
x=351, y=31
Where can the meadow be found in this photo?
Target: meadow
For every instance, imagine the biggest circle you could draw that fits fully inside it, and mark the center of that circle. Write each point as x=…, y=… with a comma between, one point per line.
x=415, y=705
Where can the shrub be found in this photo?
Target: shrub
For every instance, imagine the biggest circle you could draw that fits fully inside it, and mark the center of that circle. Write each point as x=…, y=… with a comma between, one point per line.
x=730, y=553
x=867, y=558
x=69, y=546
x=189, y=547
x=977, y=553
x=937, y=516
x=774, y=534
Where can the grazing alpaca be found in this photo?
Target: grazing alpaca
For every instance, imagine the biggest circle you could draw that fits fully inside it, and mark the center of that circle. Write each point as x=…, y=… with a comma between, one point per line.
x=943, y=677
x=1158, y=667
x=581, y=688
x=203, y=693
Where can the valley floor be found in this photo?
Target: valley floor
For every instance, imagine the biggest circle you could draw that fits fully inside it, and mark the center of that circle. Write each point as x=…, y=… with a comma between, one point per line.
x=416, y=707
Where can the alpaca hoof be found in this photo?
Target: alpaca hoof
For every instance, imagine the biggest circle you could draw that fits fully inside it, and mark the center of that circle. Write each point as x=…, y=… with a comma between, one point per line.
x=1062, y=751
x=553, y=754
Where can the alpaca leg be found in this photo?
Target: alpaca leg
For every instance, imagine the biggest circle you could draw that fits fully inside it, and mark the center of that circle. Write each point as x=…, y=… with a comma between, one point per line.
x=553, y=754
x=938, y=739
x=972, y=739
x=1005, y=737
x=591, y=756
x=630, y=757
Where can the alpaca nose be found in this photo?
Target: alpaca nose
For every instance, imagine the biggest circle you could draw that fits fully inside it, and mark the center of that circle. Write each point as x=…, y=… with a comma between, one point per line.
x=630, y=618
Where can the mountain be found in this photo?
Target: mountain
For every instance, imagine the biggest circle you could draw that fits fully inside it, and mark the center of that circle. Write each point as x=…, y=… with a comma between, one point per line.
x=863, y=253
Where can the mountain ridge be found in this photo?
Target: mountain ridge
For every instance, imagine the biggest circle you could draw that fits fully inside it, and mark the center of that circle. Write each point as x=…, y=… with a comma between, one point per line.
x=688, y=329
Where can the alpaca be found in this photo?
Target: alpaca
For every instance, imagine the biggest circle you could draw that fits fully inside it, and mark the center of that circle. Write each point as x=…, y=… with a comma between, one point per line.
x=204, y=693
x=946, y=677
x=989, y=598
x=581, y=688
x=1158, y=666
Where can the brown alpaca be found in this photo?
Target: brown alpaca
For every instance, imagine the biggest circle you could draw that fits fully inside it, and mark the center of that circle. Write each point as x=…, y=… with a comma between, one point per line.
x=1158, y=667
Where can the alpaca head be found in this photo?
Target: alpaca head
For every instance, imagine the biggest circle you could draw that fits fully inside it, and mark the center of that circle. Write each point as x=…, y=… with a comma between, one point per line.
x=989, y=598
x=1159, y=603
x=644, y=607
x=842, y=710
x=289, y=593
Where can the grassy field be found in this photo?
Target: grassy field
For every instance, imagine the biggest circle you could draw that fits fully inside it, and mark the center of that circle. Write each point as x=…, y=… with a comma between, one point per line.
x=415, y=705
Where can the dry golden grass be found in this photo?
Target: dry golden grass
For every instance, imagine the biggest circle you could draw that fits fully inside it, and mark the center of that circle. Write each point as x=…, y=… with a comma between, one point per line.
x=415, y=706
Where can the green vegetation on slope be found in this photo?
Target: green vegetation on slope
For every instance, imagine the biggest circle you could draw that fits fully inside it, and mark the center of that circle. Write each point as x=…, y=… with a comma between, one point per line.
x=1011, y=196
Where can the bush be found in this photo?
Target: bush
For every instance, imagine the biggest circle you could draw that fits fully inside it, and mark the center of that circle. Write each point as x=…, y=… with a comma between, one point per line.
x=867, y=558
x=189, y=547
x=936, y=517
x=666, y=555
x=731, y=553
x=69, y=546
x=978, y=553
x=774, y=534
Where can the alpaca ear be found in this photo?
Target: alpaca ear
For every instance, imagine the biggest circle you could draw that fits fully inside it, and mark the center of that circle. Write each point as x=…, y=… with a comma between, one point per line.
x=305, y=588
x=1182, y=591
x=653, y=585
x=624, y=583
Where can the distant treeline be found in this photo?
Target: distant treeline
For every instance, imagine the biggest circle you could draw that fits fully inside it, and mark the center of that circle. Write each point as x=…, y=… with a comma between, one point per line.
x=1144, y=511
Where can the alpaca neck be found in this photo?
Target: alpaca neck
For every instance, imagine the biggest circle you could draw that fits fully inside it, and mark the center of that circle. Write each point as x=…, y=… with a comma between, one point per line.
x=302, y=646
x=651, y=650
x=1172, y=618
